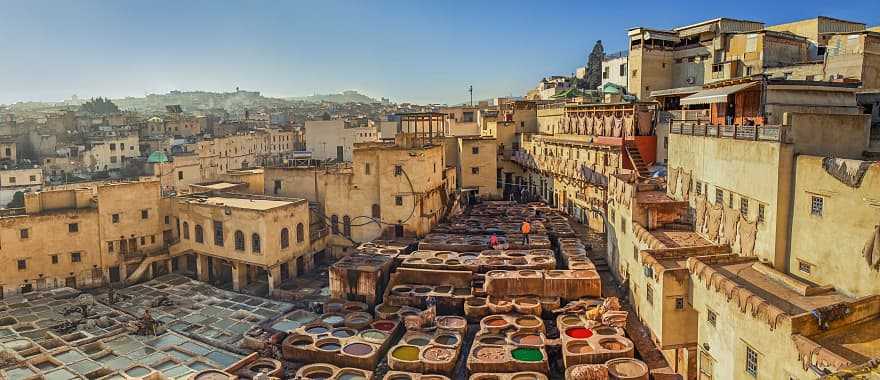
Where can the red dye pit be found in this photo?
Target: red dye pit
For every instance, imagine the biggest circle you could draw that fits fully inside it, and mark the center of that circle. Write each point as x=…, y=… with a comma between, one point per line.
x=579, y=333
x=384, y=326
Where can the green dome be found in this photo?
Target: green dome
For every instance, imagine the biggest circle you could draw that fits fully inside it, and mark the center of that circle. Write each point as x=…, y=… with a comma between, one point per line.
x=157, y=157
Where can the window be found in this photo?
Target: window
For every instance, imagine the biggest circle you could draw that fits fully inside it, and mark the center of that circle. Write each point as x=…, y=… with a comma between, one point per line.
x=398, y=170
x=255, y=243
x=218, y=234
x=167, y=219
x=622, y=69
x=699, y=188
x=143, y=241
x=751, y=362
x=285, y=238
x=186, y=230
x=112, y=146
x=22, y=264
x=200, y=234
x=744, y=206
x=179, y=175
x=816, y=205
x=75, y=257
x=33, y=178
x=804, y=266
x=711, y=317
x=109, y=246
x=375, y=212
x=145, y=214
x=113, y=159
x=606, y=72
x=346, y=226
x=679, y=303
x=152, y=239
x=54, y=259
x=649, y=294
x=475, y=170
x=475, y=150
x=24, y=233
x=719, y=196
x=239, y=241
x=300, y=233
x=398, y=200
x=730, y=201
x=73, y=227
x=114, y=218
x=367, y=168
x=334, y=224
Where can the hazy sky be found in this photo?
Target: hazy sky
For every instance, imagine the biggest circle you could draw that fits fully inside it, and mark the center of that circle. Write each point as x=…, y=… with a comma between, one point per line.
x=420, y=51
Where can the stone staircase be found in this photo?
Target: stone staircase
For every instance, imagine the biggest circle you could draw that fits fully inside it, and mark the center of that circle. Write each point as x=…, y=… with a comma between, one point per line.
x=636, y=159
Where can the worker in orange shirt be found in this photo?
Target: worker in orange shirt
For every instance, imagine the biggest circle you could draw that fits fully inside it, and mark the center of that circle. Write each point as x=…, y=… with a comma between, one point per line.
x=526, y=228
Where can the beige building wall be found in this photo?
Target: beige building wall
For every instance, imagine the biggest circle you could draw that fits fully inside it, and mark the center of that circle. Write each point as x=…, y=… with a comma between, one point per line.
x=479, y=165
x=826, y=246
x=131, y=223
x=324, y=138
x=8, y=151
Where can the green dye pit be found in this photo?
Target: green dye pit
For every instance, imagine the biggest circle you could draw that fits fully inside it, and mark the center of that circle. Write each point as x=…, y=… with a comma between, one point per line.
x=527, y=354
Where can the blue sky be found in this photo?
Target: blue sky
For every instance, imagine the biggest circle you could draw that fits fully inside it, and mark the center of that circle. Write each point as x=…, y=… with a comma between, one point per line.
x=420, y=51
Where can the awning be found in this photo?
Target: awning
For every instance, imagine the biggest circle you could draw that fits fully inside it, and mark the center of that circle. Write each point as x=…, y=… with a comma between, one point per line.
x=660, y=36
x=715, y=95
x=676, y=91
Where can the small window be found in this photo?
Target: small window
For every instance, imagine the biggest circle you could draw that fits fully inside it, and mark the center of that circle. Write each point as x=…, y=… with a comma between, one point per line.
x=11, y=179
x=804, y=267
x=300, y=233
x=475, y=170
x=649, y=294
x=719, y=196
x=760, y=213
x=744, y=206
x=376, y=212
x=33, y=178
x=256, y=247
x=711, y=317
x=398, y=170
x=699, y=188
x=751, y=362
x=109, y=246
x=75, y=257
x=22, y=264
x=152, y=239
x=398, y=200
x=218, y=234
x=200, y=234
x=475, y=150
x=679, y=303
x=730, y=201
x=179, y=175
x=285, y=237
x=24, y=233
x=114, y=218
x=73, y=227
x=816, y=205
x=167, y=219
x=239, y=241
x=143, y=241
x=145, y=214
x=367, y=168
x=54, y=259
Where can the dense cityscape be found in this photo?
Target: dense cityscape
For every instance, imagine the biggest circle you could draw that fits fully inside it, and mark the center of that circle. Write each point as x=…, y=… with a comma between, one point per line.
x=702, y=205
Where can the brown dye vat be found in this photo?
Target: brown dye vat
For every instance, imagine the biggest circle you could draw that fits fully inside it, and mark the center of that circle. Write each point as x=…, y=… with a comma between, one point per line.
x=490, y=354
x=438, y=354
x=452, y=323
x=317, y=371
x=528, y=339
x=579, y=348
x=446, y=340
x=604, y=330
x=328, y=344
x=494, y=340
x=528, y=323
x=612, y=345
x=627, y=369
x=212, y=374
x=443, y=289
x=422, y=290
x=358, y=349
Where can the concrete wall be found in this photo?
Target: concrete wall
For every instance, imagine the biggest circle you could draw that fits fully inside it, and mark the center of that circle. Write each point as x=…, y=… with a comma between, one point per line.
x=831, y=244
x=758, y=171
x=844, y=136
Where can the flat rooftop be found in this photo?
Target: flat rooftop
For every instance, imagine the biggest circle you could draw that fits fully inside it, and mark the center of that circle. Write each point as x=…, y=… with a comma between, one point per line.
x=219, y=185
x=249, y=204
x=857, y=343
x=672, y=238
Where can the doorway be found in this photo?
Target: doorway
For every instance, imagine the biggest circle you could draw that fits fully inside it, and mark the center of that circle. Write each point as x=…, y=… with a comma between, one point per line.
x=114, y=274
x=339, y=154
x=300, y=266
x=70, y=282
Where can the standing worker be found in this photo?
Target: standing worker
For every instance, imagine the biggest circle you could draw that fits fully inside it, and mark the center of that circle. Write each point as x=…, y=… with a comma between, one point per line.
x=525, y=229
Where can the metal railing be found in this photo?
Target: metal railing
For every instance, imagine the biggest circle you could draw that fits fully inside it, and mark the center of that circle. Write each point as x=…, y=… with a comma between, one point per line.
x=738, y=132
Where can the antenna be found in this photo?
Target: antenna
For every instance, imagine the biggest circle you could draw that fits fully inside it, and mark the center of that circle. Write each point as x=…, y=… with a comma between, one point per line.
x=471, y=91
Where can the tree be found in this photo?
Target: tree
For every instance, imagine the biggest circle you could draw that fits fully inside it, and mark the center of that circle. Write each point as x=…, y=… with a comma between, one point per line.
x=99, y=106
x=594, y=66
x=17, y=200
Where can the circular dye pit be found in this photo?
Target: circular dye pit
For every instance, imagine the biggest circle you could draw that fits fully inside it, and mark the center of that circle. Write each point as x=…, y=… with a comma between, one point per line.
x=489, y=354
x=384, y=325
x=418, y=341
x=374, y=335
x=343, y=333
x=612, y=345
x=330, y=345
x=496, y=322
x=446, y=340
x=422, y=289
x=351, y=375
x=493, y=340
x=527, y=354
x=528, y=322
x=333, y=319
x=579, y=332
x=570, y=320
x=358, y=349
x=438, y=354
x=137, y=371
x=321, y=374
x=526, y=376
x=387, y=309
x=579, y=348
x=317, y=330
x=605, y=331
x=211, y=374
x=626, y=368
x=529, y=339
x=406, y=353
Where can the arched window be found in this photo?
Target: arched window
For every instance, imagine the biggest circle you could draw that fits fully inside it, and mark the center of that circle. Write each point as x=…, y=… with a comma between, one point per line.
x=346, y=226
x=186, y=230
x=300, y=233
x=200, y=235
x=334, y=224
x=376, y=213
x=285, y=238
x=255, y=243
x=239, y=241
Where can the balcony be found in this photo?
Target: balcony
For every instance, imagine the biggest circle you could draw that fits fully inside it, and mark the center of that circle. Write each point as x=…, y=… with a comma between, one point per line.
x=778, y=133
